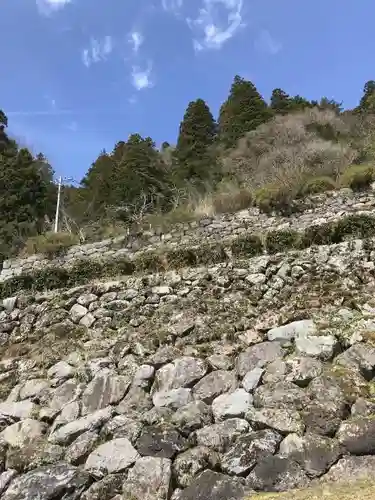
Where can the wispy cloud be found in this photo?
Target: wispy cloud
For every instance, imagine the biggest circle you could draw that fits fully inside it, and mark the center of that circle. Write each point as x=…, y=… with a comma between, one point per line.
x=211, y=28
x=265, y=42
x=173, y=6
x=136, y=39
x=47, y=7
x=99, y=50
x=141, y=78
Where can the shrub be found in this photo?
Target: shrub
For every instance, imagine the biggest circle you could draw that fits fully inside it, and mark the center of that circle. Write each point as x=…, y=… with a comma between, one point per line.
x=316, y=185
x=280, y=241
x=358, y=177
x=246, y=246
x=50, y=244
x=275, y=198
x=356, y=225
x=230, y=197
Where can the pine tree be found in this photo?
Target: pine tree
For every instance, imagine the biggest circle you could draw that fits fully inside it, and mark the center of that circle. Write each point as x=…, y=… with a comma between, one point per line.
x=196, y=162
x=99, y=182
x=243, y=111
x=367, y=102
x=281, y=103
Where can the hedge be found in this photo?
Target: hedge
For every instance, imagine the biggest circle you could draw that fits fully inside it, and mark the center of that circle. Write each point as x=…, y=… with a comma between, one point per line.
x=244, y=246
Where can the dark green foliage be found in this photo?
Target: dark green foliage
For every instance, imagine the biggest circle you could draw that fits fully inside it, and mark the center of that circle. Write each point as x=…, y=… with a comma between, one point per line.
x=367, y=102
x=358, y=177
x=280, y=241
x=194, y=154
x=247, y=246
x=318, y=185
x=281, y=102
x=243, y=111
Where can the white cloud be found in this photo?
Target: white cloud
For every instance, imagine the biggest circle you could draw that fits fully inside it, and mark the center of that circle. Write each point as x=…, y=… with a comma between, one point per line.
x=266, y=43
x=99, y=50
x=173, y=6
x=141, y=78
x=211, y=28
x=47, y=7
x=136, y=39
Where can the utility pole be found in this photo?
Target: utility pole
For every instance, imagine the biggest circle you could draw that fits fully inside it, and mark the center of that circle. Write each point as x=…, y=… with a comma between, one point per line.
x=59, y=184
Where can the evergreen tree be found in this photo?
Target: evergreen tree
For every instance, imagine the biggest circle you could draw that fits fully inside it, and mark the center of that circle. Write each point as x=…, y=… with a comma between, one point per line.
x=26, y=194
x=299, y=103
x=280, y=102
x=243, y=111
x=367, y=102
x=193, y=151
x=100, y=180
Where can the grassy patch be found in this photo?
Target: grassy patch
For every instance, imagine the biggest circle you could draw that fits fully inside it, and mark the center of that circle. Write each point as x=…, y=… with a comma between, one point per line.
x=317, y=185
x=49, y=244
x=358, y=177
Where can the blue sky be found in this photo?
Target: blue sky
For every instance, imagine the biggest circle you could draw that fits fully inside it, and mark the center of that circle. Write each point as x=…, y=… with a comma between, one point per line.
x=79, y=75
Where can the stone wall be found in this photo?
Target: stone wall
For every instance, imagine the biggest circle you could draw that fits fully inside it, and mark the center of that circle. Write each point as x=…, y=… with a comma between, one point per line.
x=317, y=210
x=210, y=382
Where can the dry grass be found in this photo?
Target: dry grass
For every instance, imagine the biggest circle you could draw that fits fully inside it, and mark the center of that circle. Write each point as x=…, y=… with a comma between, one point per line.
x=50, y=244
x=359, y=490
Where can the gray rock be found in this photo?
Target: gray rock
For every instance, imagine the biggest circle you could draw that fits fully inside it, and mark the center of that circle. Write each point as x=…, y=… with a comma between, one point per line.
x=68, y=432
x=122, y=426
x=252, y=379
x=314, y=453
x=149, y=478
x=157, y=415
x=45, y=483
x=214, y=486
x=81, y=447
x=174, y=398
x=220, y=436
x=220, y=362
x=61, y=371
x=144, y=375
x=258, y=356
x=275, y=473
x=111, y=457
x=275, y=372
x=5, y=478
x=88, y=320
x=352, y=469
x=323, y=417
x=360, y=356
x=323, y=347
x=214, y=384
x=281, y=419
x=20, y=433
x=105, y=389
x=234, y=404
x=363, y=408
x=35, y=453
x=280, y=395
x=301, y=370
x=358, y=435
x=182, y=372
x=63, y=395
x=286, y=333
x=86, y=299
x=19, y=410
x=105, y=489
x=33, y=389
x=192, y=416
x=192, y=462
x=136, y=401
x=161, y=440
x=248, y=450
x=77, y=312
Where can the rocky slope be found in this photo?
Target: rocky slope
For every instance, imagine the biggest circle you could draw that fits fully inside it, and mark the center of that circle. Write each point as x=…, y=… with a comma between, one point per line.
x=243, y=379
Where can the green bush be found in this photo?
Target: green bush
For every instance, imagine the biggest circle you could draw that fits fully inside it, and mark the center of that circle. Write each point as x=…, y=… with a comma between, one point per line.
x=358, y=177
x=322, y=234
x=50, y=244
x=247, y=246
x=280, y=241
x=274, y=198
x=317, y=185
x=356, y=226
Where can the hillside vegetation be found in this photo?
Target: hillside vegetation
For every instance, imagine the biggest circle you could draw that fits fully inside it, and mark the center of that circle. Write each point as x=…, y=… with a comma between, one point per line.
x=267, y=154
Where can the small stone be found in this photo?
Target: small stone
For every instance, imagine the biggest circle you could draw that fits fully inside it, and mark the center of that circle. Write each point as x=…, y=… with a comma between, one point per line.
x=220, y=436
x=258, y=356
x=296, y=329
x=192, y=416
x=252, y=379
x=161, y=440
x=231, y=405
x=174, y=399
x=79, y=450
x=77, y=312
x=111, y=457
x=214, y=384
x=192, y=462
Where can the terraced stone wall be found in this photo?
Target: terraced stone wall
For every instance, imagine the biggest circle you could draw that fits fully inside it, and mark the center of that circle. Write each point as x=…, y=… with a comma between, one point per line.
x=318, y=209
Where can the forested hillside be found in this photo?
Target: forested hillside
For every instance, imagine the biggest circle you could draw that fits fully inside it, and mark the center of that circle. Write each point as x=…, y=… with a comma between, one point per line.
x=267, y=153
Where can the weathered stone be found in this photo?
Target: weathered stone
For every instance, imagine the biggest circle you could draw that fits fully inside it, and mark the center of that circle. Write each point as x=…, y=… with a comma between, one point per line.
x=220, y=436
x=281, y=419
x=33, y=454
x=60, y=371
x=77, y=312
x=363, y=408
x=323, y=417
x=136, y=401
x=234, y=404
x=49, y=482
x=33, y=389
x=296, y=329
x=274, y=372
x=105, y=489
x=192, y=416
x=257, y=356
x=360, y=356
x=351, y=468
x=312, y=452
x=161, y=440
x=214, y=384
x=19, y=410
x=252, y=379
x=149, y=478
x=323, y=347
x=192, y=462
x=214, y=486
x=183, y=372
x=358, y=435
x=111, y=457
x=20, y=433
x=67, y=433
x=5, y=479
x=303, y=369
x=220, y=362
x=275, y=473
x=81, y=447
x=174, y=398
x=122, y=426
x=280, y=395
x=103, y=390
x=248, y=450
